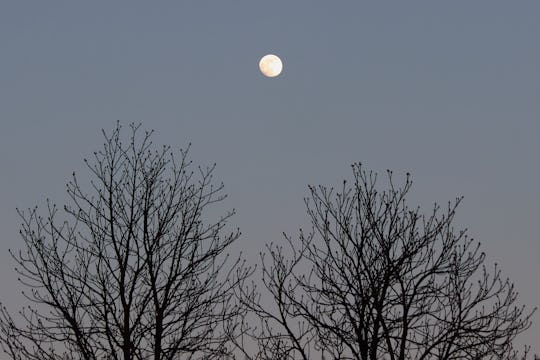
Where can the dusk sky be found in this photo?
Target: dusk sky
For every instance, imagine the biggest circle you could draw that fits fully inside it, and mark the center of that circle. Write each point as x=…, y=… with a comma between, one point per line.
x=449, y=91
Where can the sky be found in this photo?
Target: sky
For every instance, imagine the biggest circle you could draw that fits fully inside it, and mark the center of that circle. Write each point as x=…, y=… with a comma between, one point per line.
x=449, y=91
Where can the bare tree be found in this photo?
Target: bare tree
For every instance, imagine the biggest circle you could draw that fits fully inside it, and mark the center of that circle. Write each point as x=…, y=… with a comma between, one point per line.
x=133, y=267
x=375, y=279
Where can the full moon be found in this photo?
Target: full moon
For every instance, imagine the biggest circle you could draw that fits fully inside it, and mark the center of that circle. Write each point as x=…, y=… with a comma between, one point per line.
x=270, y=65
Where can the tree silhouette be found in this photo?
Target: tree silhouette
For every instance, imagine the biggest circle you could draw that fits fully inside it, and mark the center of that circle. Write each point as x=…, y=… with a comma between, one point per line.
x=376, y=279
x=133, y=267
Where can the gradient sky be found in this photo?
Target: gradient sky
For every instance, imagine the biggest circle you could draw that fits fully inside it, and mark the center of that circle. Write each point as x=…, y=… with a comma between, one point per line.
x=449, y=91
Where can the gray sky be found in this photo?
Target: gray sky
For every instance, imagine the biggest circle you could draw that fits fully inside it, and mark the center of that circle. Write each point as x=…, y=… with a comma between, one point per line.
x=449, y=91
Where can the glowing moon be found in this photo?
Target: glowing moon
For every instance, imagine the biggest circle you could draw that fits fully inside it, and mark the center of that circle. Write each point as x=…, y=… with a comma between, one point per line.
x=270, y=65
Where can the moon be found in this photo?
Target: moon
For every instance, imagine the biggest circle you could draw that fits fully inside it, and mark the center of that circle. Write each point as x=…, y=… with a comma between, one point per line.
x=270, y=65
